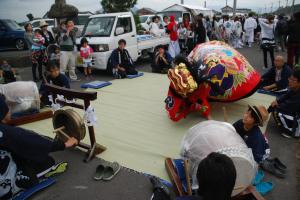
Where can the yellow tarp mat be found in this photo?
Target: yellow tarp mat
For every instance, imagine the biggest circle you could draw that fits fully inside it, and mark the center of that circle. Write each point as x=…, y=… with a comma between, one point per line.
x=135, y=128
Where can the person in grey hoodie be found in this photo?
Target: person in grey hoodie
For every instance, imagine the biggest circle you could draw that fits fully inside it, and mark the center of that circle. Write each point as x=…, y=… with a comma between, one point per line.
x=67, y=44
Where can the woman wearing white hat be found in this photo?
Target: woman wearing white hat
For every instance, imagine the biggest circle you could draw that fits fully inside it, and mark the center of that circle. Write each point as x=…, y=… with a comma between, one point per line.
x=49, y=39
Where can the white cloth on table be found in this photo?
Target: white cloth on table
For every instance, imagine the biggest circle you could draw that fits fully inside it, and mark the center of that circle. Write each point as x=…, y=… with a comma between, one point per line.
x=21, y=96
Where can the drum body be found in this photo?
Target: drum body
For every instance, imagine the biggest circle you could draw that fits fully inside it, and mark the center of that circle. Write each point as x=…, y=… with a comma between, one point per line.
x=214, y=136
x=71, y=121
x=21, y=96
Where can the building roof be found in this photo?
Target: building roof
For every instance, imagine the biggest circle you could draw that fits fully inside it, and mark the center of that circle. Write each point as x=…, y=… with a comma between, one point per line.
x=148, y=9
x=191, y=7
x=226, y=7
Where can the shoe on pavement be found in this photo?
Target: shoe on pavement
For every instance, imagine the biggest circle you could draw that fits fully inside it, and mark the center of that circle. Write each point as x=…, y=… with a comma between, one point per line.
x=75, y=80
x=269, y=167
x=286, y=135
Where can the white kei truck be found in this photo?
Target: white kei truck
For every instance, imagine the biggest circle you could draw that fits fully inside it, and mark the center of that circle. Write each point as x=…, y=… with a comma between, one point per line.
x=103, y=32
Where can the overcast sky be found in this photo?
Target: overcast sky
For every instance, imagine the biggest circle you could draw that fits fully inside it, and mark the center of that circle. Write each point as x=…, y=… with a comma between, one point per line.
x=17, y=9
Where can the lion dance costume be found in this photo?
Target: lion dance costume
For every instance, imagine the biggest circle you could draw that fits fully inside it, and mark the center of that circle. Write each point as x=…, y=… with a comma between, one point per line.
x=214, y=72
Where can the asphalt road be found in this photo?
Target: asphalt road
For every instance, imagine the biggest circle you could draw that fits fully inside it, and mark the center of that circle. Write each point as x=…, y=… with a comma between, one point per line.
x=280, y=147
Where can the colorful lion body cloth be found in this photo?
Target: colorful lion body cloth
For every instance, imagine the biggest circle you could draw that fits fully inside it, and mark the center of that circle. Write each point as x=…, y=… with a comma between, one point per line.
x=217, y=73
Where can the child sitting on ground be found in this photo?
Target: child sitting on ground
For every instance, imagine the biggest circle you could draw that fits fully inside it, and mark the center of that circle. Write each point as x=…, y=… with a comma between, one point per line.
x=55, y=56
x=55, y=78
x=248, y=129
x=86, y=55
x=7, y=72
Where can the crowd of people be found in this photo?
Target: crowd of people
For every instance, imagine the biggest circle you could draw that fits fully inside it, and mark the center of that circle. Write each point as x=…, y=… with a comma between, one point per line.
x=282, y=79
x=272, y=34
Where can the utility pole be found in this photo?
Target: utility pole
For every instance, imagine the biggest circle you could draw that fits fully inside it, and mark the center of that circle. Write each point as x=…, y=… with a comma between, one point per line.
x=271, y=7
x=182, y=1
x=234, y=7
x=279, y=4
x=204, y=4
x=293, y=7
x=287, y=3
x=265, y=8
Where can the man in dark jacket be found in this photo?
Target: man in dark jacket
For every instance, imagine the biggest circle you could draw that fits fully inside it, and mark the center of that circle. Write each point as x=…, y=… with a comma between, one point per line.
x=162, y=60
x=200, y=31
x=293, y=43
x=281, y=31
x=276, y=79
x=121, y=62
x=286, y=108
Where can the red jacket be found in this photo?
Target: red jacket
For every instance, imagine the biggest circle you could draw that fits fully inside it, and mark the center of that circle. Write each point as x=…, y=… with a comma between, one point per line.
x=172, y=27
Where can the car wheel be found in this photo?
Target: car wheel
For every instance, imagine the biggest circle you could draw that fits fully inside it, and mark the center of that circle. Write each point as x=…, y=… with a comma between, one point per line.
x=20, y=44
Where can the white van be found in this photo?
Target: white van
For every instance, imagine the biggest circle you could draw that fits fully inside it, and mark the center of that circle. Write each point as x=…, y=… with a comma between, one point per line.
x=36, y=24
x=103, y=32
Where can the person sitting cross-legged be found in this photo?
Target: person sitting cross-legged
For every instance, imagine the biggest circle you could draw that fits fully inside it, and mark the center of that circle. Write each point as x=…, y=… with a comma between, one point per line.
x=121, y=62
x=162, y=61
x=276, y=79
x=7, y=72
x=55, y=77
x=286, y=108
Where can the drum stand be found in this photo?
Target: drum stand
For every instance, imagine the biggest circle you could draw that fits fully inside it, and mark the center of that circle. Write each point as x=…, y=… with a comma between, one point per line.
x=94, y=148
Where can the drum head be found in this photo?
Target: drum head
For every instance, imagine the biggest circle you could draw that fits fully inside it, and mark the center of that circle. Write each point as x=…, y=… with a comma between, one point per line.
x=71, y=120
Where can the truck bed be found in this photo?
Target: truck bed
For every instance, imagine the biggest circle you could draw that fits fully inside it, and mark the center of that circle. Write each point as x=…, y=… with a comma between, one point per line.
x=150, y=42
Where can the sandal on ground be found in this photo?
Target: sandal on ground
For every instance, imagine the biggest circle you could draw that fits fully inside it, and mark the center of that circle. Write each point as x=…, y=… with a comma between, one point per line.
x=99, y=172
x=264, y=187
x=278, y=164
x=258, y=177
x=110, y=171
x=270, y=167
x=57, y=169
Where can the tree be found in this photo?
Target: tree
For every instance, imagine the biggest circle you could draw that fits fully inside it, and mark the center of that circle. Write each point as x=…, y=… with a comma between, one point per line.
x=137, y=22
x=110, y=6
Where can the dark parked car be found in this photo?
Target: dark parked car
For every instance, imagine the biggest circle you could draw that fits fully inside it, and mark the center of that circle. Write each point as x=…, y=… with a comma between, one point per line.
x=11, y=35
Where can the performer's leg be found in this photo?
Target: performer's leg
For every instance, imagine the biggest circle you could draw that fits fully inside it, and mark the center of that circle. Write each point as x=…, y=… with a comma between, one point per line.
x=265, y=58
x=272, y=56
x=283, y=122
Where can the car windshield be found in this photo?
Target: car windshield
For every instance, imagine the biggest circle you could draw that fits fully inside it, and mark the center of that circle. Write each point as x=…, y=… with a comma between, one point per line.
x=99, y=26
x=143, y=19
x=82, y=20
x=50, y=22
x=12, y=25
